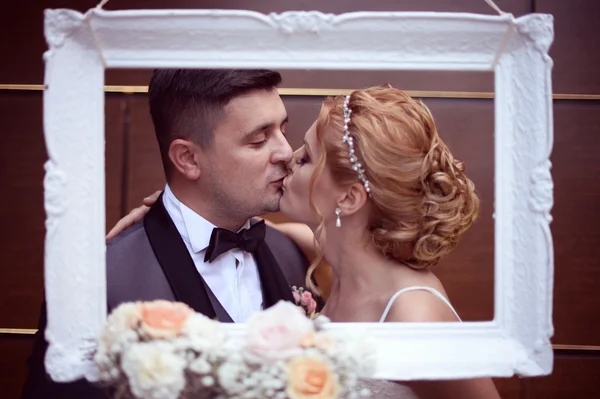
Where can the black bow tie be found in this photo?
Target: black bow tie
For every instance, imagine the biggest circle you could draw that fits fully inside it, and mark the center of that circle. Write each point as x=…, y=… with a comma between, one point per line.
x=222, y=240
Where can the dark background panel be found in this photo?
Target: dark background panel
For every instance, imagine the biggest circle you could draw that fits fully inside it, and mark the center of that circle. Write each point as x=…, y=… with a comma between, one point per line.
x=22, y=232
x=517, y=7
x=14, y=351
x=461, y=81
x=573, y=377
x=576, y=47
x=575, y=228
x=144, y=168
x=116, y=124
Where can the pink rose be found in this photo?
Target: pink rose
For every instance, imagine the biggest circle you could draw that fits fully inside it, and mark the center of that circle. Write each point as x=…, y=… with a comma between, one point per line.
x=296, y=296
x=312, y=306
x=306, y=298
x=277, y=333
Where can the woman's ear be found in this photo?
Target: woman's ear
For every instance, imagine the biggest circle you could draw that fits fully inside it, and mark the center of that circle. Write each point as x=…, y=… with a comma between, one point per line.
x=353, y=199
x=183, y=155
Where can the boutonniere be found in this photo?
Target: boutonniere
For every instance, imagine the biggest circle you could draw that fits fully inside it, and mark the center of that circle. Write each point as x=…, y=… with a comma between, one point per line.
x=304, y=299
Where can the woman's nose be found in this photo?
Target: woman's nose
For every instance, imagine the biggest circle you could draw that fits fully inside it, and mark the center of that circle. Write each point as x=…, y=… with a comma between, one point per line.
x=290, y=165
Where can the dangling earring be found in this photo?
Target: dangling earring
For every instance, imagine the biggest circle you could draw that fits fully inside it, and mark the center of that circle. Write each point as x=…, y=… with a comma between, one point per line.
x=338, y=221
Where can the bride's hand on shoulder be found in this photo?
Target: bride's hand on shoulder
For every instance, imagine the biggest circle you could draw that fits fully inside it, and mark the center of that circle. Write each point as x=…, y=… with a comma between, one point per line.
x=134, y=216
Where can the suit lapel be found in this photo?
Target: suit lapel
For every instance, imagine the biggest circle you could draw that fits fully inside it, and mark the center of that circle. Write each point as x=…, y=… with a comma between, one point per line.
x=172, y=255
x=220, y=311
x=275, y=286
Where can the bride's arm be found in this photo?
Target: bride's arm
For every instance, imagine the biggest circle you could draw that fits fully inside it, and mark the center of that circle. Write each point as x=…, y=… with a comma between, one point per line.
x=477, y=388
x=474, y=388
x=301, y=234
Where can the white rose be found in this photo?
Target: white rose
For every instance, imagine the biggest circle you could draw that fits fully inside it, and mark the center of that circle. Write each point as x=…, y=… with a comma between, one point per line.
x=203, y=332
x=120, y=329
x=277, y=332
x=154, y=371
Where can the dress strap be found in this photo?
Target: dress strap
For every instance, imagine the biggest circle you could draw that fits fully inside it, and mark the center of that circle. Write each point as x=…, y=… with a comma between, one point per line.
x=417, y=288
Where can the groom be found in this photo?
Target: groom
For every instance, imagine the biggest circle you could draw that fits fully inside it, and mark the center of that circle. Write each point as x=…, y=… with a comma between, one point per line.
x=221, y=135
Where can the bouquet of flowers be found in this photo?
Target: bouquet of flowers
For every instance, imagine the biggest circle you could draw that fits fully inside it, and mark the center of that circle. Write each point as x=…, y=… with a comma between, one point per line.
x=164, y=350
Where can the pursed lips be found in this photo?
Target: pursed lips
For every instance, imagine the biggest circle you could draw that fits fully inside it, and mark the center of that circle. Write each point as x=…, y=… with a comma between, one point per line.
x=281, y=180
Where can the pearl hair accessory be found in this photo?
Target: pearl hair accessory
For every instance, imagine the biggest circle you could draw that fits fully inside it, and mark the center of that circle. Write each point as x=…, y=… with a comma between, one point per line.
x=348, y=140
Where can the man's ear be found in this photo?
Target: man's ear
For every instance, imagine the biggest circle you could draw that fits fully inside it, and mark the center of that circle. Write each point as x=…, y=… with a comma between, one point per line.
x=184, y=157
x=353, y=199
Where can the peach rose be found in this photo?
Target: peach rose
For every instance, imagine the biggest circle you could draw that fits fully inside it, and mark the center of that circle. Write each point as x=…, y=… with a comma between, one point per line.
x=311, y=378
x=276, y=333
x=164, y=319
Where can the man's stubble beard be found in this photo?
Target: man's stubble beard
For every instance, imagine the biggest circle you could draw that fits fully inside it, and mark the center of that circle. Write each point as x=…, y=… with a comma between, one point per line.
x=235, y=207
x=231, y=204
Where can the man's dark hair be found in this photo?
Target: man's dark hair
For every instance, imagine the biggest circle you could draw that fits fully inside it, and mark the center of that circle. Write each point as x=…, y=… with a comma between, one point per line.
x=188, y=103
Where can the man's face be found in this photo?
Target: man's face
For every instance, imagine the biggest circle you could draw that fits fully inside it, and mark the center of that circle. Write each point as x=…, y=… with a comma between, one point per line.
x=246, y=163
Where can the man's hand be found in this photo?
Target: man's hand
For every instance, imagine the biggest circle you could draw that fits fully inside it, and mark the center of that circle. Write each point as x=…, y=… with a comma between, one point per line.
x=134, y=216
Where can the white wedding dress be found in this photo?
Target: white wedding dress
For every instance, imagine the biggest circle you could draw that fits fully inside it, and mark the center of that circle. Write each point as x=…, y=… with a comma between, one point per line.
x=387, y=389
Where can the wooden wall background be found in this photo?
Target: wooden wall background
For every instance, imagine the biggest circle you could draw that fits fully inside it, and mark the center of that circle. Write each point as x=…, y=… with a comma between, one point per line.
x=465, y=119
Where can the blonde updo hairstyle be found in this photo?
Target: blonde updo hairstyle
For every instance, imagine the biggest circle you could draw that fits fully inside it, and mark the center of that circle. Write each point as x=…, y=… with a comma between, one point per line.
x=421, y=200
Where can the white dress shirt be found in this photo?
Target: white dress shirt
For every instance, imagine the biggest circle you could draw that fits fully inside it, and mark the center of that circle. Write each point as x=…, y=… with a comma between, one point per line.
x=236, y=287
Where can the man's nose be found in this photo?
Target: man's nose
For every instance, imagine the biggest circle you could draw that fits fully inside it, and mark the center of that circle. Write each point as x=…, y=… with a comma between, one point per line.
x=290, y=164
x=283, y=152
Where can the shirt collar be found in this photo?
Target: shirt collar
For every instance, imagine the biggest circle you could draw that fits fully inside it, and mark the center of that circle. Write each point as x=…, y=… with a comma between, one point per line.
x=192, y=227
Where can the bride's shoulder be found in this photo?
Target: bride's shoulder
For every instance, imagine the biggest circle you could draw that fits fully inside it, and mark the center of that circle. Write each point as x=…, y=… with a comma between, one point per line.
x=421, y=303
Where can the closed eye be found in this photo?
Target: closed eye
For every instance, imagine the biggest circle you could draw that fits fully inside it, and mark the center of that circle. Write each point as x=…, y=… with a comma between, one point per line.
x=303, y=159
x=259, y=143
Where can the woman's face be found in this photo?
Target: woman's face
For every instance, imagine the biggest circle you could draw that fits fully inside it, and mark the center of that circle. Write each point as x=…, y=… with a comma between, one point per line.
x=296, y=193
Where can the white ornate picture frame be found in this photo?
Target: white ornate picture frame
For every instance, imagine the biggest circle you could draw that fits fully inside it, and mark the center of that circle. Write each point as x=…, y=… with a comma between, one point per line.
x=81, y=46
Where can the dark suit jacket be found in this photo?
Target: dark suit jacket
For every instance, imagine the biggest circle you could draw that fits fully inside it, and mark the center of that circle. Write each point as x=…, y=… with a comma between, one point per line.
x=150, y=261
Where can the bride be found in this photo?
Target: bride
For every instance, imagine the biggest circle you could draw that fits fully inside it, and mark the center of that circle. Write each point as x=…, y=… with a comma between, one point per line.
x=385, y=200
x=379, y=196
